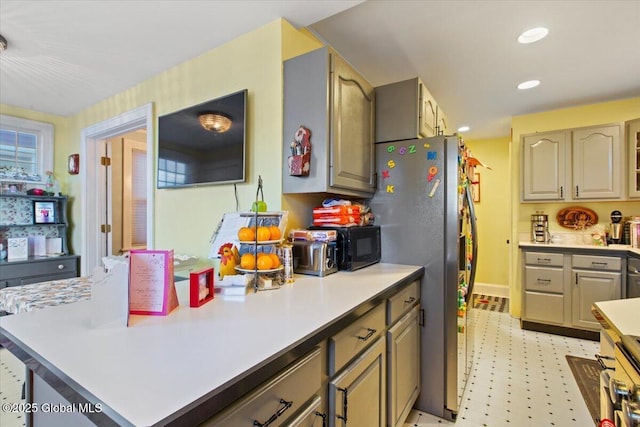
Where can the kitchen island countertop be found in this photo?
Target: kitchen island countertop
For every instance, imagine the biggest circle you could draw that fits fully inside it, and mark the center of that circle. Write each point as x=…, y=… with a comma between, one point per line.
x=621, y=315
x=159, y=368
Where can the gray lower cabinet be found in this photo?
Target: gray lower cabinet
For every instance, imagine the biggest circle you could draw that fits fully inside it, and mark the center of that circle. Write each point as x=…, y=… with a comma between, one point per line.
x=544, y=287
x=403, y=362
x=34, y=270
x=591, y=285
x=357, y=396
x=278, y=399
x=559, y=288
x=311, y=415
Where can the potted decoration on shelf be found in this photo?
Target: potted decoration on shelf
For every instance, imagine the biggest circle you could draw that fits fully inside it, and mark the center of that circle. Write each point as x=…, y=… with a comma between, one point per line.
x=53, y=189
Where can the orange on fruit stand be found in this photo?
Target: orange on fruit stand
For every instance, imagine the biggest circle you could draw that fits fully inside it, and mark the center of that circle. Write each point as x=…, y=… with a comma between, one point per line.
x=274, y=232
x=265, y=263
x=263, y=234
x=275, y=261
x=248, y=261
x=246, y=234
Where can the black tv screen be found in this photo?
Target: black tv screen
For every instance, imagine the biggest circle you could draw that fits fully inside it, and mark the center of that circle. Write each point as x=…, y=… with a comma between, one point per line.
x=189, y=154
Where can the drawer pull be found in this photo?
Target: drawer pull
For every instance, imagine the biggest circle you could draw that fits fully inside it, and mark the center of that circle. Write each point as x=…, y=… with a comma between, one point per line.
x=285, y=405
x=60, y=266
x=324, y=418
x=599, y=264
x=369, y=334
x=544, y=260
x=544, y=281
x=410, y=300
x=344, y=405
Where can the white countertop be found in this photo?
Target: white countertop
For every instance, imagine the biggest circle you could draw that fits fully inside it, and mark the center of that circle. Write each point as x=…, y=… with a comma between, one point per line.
x=159, y=365
x=617, y=248
x=622, y=315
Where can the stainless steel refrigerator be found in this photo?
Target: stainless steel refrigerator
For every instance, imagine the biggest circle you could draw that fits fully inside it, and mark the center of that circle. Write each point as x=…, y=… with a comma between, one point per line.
x=424, y=206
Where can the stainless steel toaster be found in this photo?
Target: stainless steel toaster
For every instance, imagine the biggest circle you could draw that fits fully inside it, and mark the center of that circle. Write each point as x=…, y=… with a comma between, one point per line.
x=314, y=258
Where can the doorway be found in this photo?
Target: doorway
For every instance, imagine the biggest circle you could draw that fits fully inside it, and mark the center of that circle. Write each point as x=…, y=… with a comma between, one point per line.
x=96, y=202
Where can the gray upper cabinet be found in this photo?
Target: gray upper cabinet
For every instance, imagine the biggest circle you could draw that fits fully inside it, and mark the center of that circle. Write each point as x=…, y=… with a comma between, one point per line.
x=323, y=93
x=597, y=163
x=405, y=110
x=544, y=165
x=573, y=164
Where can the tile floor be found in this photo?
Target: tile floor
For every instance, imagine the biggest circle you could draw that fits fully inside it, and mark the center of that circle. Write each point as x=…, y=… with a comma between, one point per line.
x=520, y=378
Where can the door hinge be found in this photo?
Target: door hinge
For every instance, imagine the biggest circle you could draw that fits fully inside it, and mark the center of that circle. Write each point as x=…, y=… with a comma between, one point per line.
x=105, y=228
x=105, y=161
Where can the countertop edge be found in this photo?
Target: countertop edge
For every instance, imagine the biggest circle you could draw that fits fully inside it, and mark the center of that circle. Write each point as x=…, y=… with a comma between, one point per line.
x=222, y=394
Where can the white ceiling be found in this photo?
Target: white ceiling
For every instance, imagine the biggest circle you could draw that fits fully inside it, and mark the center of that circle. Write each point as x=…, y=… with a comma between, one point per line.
x=64, y=56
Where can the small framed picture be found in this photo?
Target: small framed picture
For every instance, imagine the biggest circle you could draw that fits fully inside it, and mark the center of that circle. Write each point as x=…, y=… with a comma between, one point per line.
x=200, y=287
x=44, y=212
x=73, y=166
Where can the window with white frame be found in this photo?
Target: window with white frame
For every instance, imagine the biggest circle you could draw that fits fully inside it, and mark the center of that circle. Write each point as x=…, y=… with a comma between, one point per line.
x=26, y=149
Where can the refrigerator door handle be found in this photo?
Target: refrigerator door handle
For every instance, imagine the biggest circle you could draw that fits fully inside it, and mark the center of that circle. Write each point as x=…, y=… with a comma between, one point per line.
x=474, y=240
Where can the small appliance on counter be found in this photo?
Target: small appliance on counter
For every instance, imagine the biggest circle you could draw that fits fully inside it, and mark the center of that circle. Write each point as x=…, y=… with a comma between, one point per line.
x=314, y=257
x=540, y=228
x=615, y=228
x=357, y=246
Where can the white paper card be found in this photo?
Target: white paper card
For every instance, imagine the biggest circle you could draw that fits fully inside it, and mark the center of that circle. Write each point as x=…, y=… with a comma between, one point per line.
x=37, y=246
x=54, y=245
x=17, y=247
x=110, y=296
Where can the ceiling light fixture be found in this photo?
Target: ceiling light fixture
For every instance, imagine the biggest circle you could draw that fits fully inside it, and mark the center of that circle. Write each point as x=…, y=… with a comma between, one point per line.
x=3, y=44
x=215, y=122
x=463, y=128
x=533, y=35
x=528, y=84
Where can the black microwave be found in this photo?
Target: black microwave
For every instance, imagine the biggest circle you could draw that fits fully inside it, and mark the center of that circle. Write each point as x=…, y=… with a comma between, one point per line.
x=356, y=247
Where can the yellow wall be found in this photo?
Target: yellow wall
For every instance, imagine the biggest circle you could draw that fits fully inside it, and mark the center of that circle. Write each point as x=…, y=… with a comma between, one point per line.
x=586, y=115
x=493, y=211
x=186, y=218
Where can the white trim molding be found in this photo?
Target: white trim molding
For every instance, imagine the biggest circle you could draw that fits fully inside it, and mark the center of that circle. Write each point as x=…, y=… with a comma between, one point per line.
x=491, y=289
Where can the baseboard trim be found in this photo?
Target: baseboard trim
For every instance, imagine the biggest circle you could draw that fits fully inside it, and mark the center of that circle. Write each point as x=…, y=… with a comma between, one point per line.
x=560, y=330
x=491, y=289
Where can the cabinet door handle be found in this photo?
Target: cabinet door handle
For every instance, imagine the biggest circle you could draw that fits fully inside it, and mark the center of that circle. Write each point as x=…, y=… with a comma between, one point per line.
x=324, y=418
x=285, y=405
x=410, y=300
x=344, y=405
x=577, y=191
x=369, y=334
x=561, y=191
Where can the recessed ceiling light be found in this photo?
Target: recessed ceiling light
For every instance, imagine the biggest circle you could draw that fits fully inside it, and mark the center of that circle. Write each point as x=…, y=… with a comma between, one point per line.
x=533, y=35
x=463, y=128
x=528, y=84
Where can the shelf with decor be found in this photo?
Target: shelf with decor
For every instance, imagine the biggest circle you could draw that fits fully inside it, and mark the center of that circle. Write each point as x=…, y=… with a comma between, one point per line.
x=33, y=232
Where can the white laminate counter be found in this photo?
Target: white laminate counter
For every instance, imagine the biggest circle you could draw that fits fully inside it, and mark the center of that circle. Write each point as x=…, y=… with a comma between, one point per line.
x=623, y=315
x=627, y=249
x=160, y=365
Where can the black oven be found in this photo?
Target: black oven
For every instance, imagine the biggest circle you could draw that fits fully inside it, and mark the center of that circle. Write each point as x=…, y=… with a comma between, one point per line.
x=356, y=247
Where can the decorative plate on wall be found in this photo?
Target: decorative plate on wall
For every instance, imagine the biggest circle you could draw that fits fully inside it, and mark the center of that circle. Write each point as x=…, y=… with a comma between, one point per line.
x=576, y=218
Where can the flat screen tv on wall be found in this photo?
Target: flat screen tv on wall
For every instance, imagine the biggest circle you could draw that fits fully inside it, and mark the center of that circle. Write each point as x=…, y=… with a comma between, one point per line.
x=203, y=144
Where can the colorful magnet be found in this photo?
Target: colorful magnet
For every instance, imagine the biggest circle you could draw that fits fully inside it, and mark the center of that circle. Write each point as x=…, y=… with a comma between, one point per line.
x=426, y=145
x=391, y=164
x=390, y=188
x=433, y=170
x=435, y=186
x=385, y=174
x=432, y=155
x=391, y=148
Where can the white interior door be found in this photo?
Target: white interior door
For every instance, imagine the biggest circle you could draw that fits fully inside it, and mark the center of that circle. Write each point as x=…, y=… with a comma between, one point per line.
x=134, y=195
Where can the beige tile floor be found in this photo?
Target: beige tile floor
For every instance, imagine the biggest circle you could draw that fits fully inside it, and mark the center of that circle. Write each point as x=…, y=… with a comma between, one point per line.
x=520, y=378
